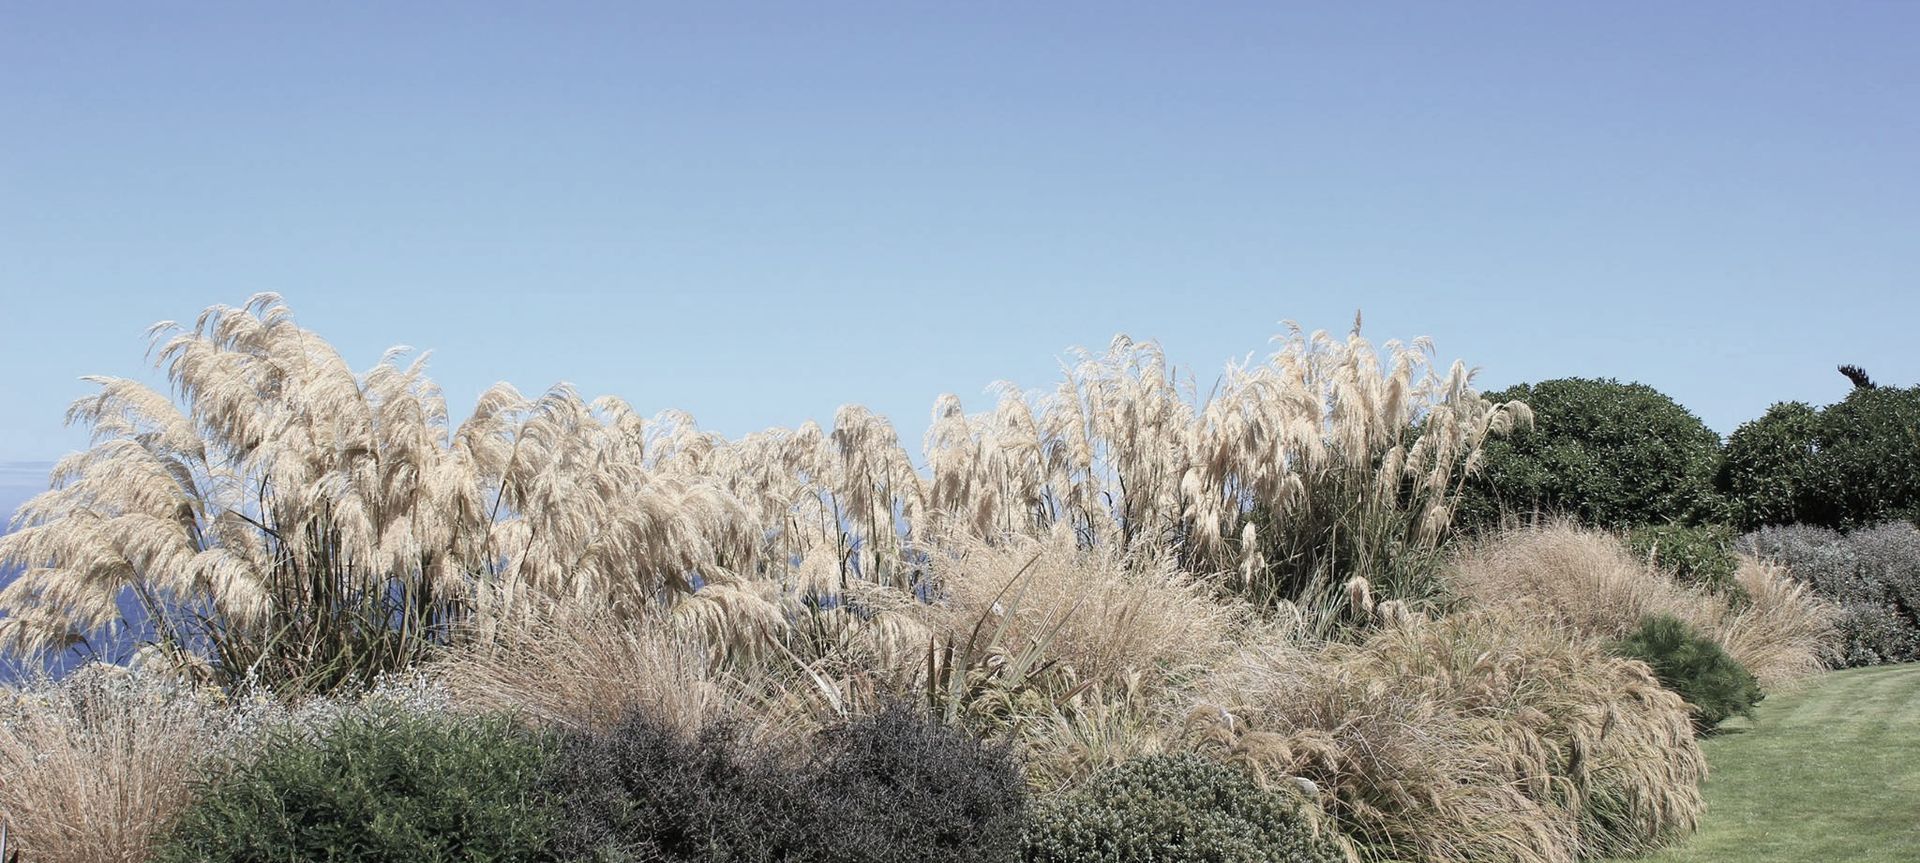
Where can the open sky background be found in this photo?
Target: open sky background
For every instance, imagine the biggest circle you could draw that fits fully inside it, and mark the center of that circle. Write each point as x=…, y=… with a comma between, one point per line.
x=760, y=212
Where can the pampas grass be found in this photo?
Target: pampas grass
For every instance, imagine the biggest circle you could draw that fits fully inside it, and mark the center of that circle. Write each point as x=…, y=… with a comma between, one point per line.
x=291, y=519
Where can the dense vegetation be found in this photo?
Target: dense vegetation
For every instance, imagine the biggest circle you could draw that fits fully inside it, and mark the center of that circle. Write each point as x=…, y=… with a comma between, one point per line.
x=1276, y=621
x=1602, y=452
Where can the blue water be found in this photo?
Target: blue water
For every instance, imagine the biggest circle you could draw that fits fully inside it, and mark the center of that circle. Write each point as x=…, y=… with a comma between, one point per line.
x=18, y=482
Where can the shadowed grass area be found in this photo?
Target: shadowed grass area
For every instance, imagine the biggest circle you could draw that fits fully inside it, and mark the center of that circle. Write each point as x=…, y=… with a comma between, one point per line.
x=1829, y=773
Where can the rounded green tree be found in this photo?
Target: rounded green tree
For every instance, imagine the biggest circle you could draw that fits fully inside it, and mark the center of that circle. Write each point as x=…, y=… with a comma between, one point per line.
x=1601, y=451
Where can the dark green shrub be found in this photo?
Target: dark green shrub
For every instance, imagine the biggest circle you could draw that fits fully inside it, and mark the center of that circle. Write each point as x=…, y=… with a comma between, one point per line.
x=1604, y=452
x=1716, y=685
x=1873, y=574
x=1866, y=467
x=1175, y=809
x=646, y=791
x=884, y=788
x=1699, y=555
x=1852, y=464
x=384, y=785
x=1765, y=469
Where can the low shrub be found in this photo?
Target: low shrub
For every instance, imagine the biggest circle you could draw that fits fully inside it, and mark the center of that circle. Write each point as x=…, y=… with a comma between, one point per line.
x=1716, y=685
x=889, y=787
x=1872, y=574
x=1696, y=555
x=384, y=784
x=897, y=787
x=1176, y=809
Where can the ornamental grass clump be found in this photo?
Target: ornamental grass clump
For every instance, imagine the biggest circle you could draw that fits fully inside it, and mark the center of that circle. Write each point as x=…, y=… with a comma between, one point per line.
x=93, y=767
x=1478, y=736
x=1591, y=582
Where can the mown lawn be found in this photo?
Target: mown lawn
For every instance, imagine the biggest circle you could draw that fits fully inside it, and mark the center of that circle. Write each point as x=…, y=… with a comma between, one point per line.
x=1829, y=773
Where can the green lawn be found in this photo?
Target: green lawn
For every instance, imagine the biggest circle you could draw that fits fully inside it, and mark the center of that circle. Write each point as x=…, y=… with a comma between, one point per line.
x=1829, y=773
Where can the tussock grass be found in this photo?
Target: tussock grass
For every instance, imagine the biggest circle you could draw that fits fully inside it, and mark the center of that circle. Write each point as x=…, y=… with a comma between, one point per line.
x=1480, y=736
x=92, y=769
x=1589, y=581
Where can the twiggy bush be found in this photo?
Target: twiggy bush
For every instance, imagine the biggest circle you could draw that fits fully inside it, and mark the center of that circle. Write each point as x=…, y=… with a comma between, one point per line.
x=1872, y=574
x=896, y=787
x=386, y=785
x=1177, y=809
x=888, y=787
x=646, y=790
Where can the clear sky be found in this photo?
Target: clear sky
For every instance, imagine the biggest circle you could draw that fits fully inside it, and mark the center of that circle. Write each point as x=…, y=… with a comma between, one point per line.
x=759, y=212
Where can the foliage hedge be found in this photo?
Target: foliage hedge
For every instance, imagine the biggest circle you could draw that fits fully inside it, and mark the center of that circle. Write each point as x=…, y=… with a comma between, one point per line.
x=1176, y=809
x=1607, y=453
x=1701, y=555
x=1873, y=574
x=1855, y=463
x=1688, y=662
x=376, y=786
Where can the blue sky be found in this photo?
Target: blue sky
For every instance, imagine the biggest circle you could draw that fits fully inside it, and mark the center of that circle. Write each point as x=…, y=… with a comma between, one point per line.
x=759, y=212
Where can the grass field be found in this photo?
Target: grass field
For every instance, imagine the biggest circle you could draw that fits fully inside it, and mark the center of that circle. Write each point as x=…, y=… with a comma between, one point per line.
x=1829, y=773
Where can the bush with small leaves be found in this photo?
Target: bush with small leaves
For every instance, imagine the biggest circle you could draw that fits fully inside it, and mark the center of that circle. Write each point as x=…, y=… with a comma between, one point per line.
x=1873, y=574
x=376, y=786
x=1176, y=809
x=1713, y=683
x=1701, y=555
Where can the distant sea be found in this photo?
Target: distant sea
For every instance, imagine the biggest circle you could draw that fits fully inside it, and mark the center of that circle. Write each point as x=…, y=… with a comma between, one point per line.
x=20, y=480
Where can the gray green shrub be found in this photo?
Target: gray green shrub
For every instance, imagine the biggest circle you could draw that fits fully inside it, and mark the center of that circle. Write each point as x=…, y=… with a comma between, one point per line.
x=1873, y=574
x=1176, y=809
x=375, y=786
